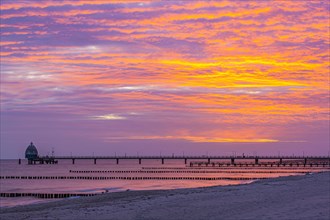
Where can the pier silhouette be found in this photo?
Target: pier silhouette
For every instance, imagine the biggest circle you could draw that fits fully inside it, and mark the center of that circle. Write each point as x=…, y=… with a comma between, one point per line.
x=31, y=154
x=201, y=160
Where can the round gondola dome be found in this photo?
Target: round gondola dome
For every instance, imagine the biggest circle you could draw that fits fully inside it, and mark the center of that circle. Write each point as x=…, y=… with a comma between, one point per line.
x=31, y=152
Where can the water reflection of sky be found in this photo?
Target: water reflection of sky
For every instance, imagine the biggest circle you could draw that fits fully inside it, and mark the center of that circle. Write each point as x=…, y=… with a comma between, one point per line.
x=149, y=169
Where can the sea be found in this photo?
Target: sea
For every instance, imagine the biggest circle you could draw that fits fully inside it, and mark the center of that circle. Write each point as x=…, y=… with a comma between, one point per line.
x=149, y=175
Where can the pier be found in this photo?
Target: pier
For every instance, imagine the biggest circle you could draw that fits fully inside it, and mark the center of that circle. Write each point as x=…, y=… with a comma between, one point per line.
x=41, y=160
x=289, y=163
x=200, y=160
x=31, y=154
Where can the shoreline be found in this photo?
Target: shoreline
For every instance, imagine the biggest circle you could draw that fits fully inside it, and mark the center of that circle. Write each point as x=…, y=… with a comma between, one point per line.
x=291, y=197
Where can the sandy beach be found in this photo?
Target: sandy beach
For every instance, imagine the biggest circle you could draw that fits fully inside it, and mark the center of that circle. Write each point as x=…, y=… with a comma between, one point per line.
x=294, y=197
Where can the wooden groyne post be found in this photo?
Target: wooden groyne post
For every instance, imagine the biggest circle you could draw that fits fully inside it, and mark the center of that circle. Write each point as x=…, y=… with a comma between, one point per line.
x=47, y=195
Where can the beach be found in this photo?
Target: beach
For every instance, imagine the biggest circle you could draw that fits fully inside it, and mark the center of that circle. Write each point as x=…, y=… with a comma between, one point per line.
x=292, y=197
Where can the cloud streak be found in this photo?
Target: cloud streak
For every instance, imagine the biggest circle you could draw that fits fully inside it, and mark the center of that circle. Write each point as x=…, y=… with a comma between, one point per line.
x=108, y=117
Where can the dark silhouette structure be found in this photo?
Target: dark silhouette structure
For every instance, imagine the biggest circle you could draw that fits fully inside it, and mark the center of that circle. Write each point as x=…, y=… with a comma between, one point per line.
x=31, y=154
x=219, y=160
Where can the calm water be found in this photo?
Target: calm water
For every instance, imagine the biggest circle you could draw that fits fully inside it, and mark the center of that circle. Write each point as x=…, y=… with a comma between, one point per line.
x=108, y=168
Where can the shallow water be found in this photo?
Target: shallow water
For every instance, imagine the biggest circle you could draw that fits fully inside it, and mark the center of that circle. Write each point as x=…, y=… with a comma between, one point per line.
x=125, y=168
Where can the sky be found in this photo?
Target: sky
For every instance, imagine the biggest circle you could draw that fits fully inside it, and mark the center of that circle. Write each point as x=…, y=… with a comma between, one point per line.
x=165, y=77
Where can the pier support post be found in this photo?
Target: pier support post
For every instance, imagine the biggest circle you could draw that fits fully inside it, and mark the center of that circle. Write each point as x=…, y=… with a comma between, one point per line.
x=256, y=161
x=232, y=161
x=162, y=160
x=73, y=161
x=117, y=160
x=185, y=161
x=305, y=161
x=19, y=161
x=94, y=160
x=208, y=160
x=139, y=160
x=281, y=160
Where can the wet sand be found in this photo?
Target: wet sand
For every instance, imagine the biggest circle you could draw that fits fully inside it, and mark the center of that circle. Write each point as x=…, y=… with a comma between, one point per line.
x=293, y=197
